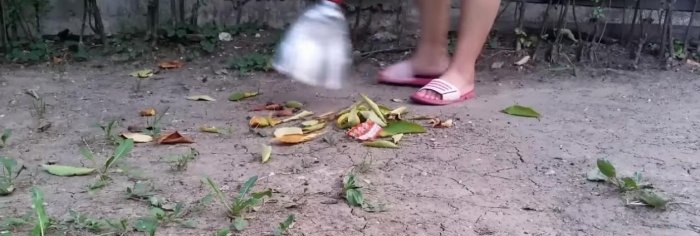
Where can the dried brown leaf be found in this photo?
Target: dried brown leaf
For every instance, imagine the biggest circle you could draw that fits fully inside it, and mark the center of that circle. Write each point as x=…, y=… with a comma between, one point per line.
x=150, y=111
x=174, y=138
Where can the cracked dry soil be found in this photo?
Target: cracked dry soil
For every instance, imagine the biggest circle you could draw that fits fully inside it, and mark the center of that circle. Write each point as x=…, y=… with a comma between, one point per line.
x=491, y=174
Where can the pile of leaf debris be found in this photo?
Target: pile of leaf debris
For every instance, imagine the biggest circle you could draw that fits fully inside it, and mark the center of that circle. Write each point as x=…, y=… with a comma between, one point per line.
x=373, y=124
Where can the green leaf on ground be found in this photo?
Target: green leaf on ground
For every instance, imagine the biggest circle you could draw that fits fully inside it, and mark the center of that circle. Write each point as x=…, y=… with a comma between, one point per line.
x=629, y=183
x=147, y=225
x=595, y=175
x=240, y=224
x=238, y=96
x=369, y=115
x=42, y=219
x=518, y=110
x=354, y=197
x=284, y=226
x=653, y=199
x=223, y=232
x=401, y=127
x=606, y=168
x=294, y=104
x=122, y=150
x=247, y=186
x=61, y=170
x=381, y=144
x=374, y=107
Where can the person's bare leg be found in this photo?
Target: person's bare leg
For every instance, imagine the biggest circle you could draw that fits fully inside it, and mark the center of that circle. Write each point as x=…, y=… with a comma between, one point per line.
x=477, y=18
x=430, y=57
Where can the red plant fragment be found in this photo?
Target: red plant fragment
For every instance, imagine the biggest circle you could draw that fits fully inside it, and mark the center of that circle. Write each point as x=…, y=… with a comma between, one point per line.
x=365, y=131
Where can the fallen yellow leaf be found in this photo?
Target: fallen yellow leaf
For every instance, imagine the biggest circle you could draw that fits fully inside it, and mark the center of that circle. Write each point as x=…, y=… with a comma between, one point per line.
x=209, y=129
x=297, y=138
x=283, y=131
x=310, y=123
x=265, y=153
x=148, y=112
x=138, y=138
x=261, y=122
x=142, y=74
x=301, y=115
x=314, y=128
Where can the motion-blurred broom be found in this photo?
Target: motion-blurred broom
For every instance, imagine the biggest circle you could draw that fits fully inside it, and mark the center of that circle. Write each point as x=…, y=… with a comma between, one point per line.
x=316, y=49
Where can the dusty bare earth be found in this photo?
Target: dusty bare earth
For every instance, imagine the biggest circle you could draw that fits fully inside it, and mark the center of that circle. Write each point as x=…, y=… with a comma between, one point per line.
x=491, y=174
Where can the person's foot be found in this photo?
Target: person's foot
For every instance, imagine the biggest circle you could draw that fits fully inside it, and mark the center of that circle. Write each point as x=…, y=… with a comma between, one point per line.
x=462, y=82
x=416, y=71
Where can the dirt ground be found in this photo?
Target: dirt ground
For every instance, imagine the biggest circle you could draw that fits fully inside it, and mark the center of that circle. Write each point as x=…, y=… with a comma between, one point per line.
x=491, y=174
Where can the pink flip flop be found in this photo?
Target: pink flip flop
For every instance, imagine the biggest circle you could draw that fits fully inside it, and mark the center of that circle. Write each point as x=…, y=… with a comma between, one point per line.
x=403, y=75
x=416, y=80
x=450, y=94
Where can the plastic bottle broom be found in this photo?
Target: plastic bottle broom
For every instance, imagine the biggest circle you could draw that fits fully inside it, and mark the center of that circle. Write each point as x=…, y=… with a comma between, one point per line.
x=316, y=49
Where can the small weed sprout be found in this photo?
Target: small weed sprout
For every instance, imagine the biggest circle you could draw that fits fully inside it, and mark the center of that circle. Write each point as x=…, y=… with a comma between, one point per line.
x=5, y=137
x=284, y=226
x=84, y=222
x=8, y=175
x=120, y=152
x=109, y=132
x=354, y=196
x=352, y=192
x=242, y=204
x=157, y=216
x=634, y=191
x=180, y=162
x=251, y=62
x=42, y=221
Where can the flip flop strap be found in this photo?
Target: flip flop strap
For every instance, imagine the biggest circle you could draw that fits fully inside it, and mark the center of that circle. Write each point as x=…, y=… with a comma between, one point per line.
x=444, y=88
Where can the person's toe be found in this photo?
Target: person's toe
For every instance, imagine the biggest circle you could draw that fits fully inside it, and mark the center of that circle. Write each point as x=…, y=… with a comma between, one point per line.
x=428, y=94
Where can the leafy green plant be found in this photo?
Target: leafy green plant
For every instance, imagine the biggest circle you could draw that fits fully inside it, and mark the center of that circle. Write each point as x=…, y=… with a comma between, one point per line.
x=28, y=51
x=118, y=226
x=84, y=222
x=632, y=188
x=241, y=204
x=180, y=162
x=140, y=191
x=205, y=37
x=42, y=222
x=251, y=62
x=6, y=134
x=7, y=179
x=109, y=132
x=353, y=195
x=284, y=226
x=158, y=216
x=10, y=223
x=120, y=152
